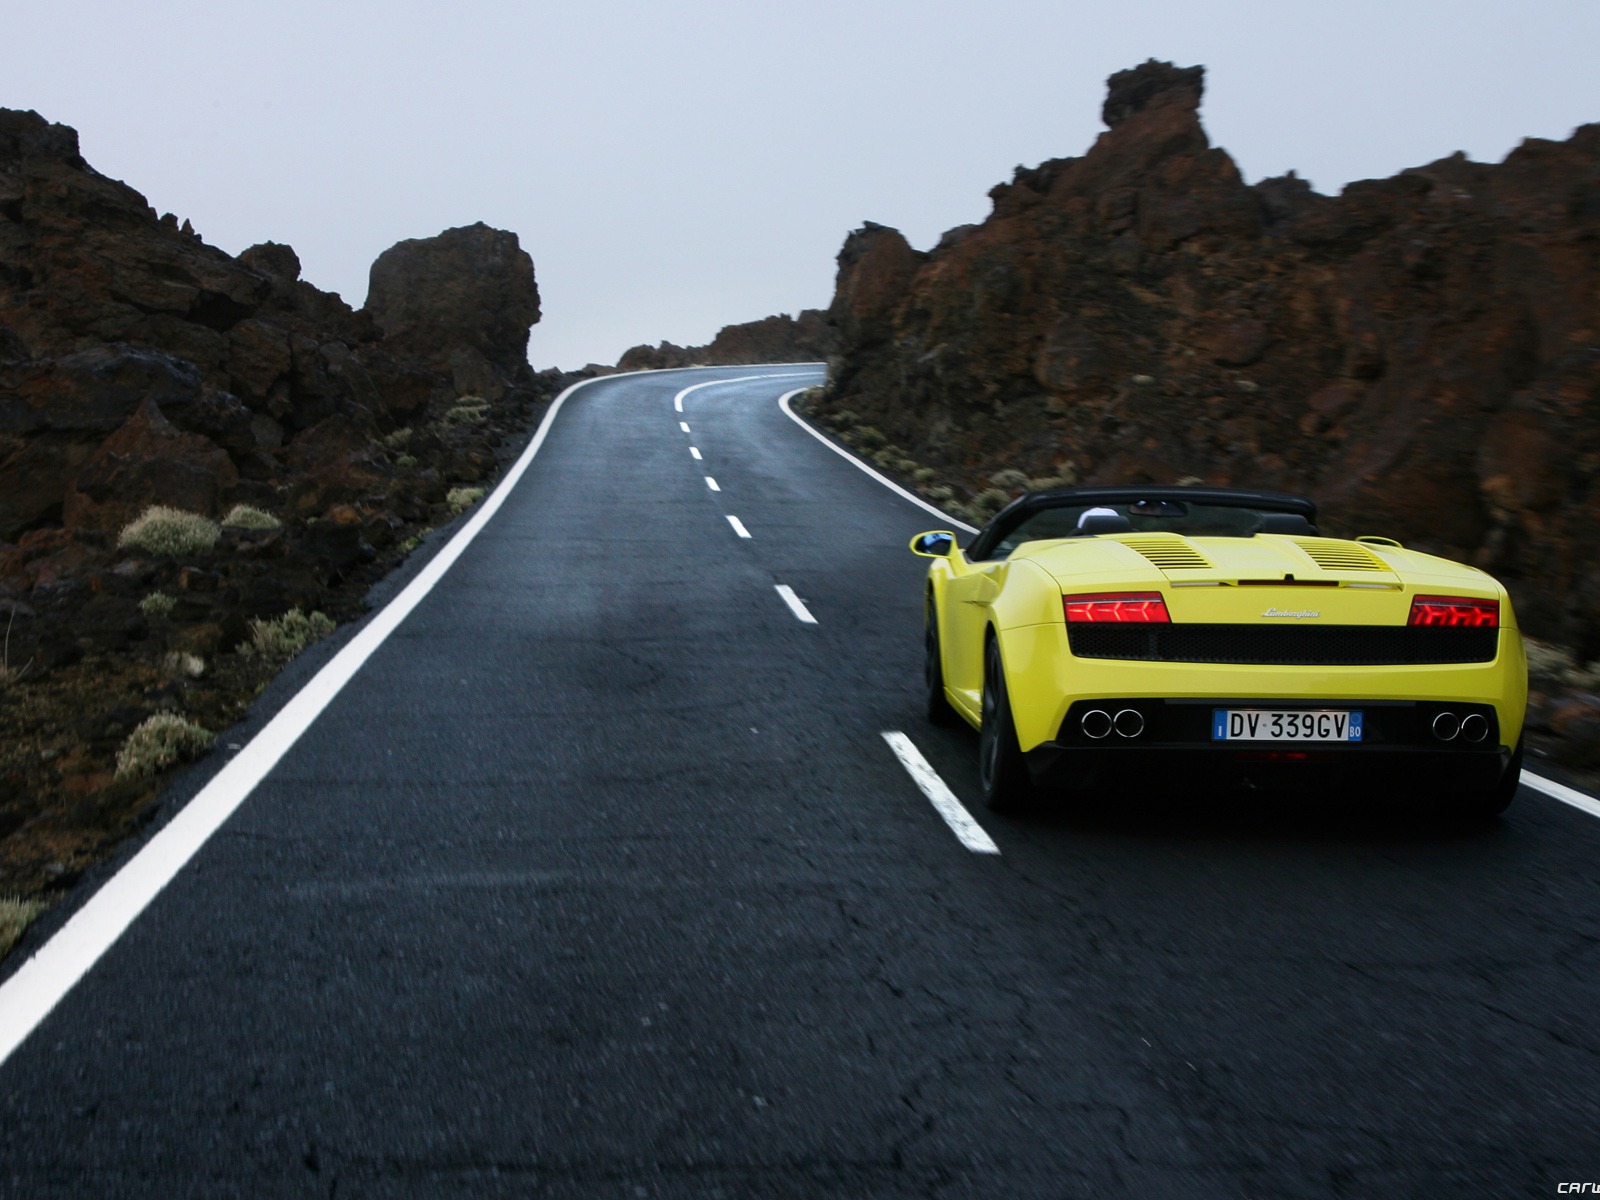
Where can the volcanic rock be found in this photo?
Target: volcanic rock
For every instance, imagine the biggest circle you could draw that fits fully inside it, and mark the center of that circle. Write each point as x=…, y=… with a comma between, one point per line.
x=466, y=289
x=807, y=337
x=140, y=366
x=1421, y=354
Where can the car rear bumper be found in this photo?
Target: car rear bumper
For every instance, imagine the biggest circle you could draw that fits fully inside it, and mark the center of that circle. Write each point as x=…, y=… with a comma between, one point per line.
x=1174, y=747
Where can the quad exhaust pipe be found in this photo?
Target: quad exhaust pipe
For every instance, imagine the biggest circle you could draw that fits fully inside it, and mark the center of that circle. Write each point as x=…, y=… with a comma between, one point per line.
x=1473, y=727
x=1099, y=724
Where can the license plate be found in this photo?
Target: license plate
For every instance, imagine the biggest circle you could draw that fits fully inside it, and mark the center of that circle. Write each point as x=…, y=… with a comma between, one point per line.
x=1285, y=725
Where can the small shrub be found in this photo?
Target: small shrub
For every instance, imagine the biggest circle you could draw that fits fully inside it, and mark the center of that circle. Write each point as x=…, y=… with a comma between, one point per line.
x=1190, y=481
x=397, y=439
x=867, y=437
x=462, y=498
x=844, y=418
x=157, y=604
x=183, y=665
x=1065, y=477
x=988, y=502
x=16, y=915
x=282, y=639
x=244, y=516
x=905, y=465
x=472, y=410
x=163, y=530
x=1009, y=479
x=938, y=493
x=406, y=460
x=885, y=458
x=411, y=543
x=924, y=474
x=160, y=742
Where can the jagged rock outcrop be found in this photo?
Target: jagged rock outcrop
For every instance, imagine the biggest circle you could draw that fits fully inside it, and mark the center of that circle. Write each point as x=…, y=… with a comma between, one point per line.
x=140, y=366
x=803, y=338
x=1421, y=353
x=464, y=299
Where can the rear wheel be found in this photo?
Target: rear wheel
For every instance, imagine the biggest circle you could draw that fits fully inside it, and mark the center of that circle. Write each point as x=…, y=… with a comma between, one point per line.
x=1488, y=805
x=939, y=710
x=1002, y=773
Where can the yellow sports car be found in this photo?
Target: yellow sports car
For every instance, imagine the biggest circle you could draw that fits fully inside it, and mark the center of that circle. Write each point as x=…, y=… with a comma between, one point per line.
x=1101, y=636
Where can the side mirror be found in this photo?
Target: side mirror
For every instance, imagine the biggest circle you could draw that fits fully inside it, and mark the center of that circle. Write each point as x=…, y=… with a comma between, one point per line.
x=936, y=543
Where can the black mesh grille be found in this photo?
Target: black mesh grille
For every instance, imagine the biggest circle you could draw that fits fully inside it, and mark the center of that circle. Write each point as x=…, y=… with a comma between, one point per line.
x=1327, y=645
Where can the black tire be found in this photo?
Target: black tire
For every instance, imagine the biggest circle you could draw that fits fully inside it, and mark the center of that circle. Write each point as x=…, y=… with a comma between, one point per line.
x=1486, y=806
x=939, y=710
x=1002, y=773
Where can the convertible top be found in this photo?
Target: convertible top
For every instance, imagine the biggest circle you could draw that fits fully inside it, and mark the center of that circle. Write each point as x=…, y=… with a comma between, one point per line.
x=1027, y=505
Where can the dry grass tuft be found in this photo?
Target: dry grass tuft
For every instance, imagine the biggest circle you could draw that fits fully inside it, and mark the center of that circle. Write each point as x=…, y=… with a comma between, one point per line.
x=163, y=530
x=280, y=640
x=244, y=516
x=157, y=604
x=462, y=498
x=160, y=742
x=15, y=916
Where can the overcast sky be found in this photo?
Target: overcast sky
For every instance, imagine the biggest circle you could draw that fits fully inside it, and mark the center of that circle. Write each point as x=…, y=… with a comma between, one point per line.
x=676, y=167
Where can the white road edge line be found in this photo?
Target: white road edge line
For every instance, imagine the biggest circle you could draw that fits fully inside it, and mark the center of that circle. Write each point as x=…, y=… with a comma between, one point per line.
x=967, y=831
x=738, y=526
x=694, y=452
x=40, y=983
x=712, y=484
x=677, y=401
x=783, y=402
x=796, y=605
x=1560, y=791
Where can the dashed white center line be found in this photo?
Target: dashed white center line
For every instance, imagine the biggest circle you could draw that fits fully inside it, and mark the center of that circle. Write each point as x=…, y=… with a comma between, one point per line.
x=738, y=526
x=967, y=831
x=694, y=451
x=796, y=605
x=712, y=484
x=683, y=425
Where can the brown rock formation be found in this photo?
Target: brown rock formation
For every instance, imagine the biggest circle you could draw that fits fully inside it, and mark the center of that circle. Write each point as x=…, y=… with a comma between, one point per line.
x=805, y=338
x=466, y=298
x=1421, y=353
x=140, y=366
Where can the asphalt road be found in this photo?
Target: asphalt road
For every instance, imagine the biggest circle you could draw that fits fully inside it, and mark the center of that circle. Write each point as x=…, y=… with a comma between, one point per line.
x=599, y=879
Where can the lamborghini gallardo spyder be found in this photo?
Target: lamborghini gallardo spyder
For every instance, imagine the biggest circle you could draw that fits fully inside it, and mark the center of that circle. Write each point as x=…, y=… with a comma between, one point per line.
x=1105, y=637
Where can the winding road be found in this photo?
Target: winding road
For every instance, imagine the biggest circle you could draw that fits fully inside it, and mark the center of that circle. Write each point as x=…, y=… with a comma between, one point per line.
x=599, y=877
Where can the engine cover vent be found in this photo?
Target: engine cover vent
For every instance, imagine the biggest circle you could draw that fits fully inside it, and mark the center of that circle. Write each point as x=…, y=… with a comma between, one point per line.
x=1168, y=551
x=1341, y=556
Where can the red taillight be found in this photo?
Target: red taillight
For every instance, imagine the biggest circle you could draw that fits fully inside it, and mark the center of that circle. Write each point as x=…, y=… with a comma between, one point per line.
x=1129, y=608
x=1455, y=610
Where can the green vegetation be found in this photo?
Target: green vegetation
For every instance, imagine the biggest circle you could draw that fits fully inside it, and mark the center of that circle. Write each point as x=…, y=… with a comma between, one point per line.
x=462, y=498
x=160, y=742
x=157, y=604
x=397, y=439
x=15, y=916
x=469, y=410
x=406, y=460
x=411, y=543
x=163, y=530
x=280, y=640
x=243, y=516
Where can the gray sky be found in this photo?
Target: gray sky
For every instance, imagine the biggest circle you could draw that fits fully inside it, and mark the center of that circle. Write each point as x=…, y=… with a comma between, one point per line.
x=676, y=167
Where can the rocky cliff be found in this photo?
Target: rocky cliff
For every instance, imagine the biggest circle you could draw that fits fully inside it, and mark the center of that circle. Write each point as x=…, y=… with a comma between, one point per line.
x=1421, y=353
x=140, y=366
x=805, y=338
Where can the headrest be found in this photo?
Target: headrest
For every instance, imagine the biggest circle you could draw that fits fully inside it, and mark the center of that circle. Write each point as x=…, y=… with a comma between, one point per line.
x=1285, y=523
x=1103, y=520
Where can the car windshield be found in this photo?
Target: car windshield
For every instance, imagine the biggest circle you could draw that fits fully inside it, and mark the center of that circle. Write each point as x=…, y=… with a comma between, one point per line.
x=1147, y=516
